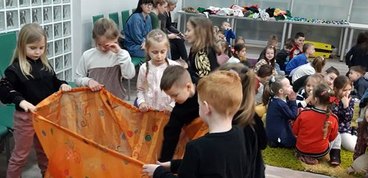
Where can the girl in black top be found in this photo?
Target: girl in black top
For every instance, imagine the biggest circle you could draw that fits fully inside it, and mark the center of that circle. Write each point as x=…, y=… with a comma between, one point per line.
x=202, y=57
x=28, y=80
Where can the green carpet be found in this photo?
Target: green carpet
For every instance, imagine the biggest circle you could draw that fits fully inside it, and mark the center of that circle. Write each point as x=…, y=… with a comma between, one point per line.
x=282, y=157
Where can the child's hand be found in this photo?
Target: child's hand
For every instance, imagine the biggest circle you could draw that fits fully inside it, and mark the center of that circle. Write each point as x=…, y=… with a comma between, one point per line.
x=172, y=36
x=292, y=96
x=143, y=107
x=165, y=164
x=168, y=110
x=65, y=87
x=149, y=169
x=345, y=101
x=114, y=47
x=94, y=86
x=27, y=106
x=309, y=98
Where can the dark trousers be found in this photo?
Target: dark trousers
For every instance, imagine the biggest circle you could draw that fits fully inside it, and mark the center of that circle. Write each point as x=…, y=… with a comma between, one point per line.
x=178, y=49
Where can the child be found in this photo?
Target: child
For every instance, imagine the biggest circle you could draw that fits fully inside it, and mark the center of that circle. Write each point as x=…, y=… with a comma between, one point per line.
x=273, y=41
x=300, y=59
x=356, y=75
x=176, y=82
x=238, y=54
x=343, y=107
x=228, y=32
x=330, y=76
x=298, y=45
x=106, y=64
x=316, y=128
x=222, y=150
x=30, y=79
x=360, y=158
x=202, y=57
x=304, y=96
x=269, y=59
x=149, y=95
x=280, y=112
x=239, y=39
x=222, y=55
x=282, y=57
x=310, y=68
x=253, y=127
x=357, y=55
x=263, y=76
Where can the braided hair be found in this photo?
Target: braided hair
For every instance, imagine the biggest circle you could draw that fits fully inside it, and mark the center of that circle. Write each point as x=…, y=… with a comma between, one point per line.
x=323, y=93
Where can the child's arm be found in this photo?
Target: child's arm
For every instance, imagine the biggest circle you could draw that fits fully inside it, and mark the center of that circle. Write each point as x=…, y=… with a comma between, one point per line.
x=291, y=109
x=127, y=68
x=81, y=78
x=142, y=87
x=12, y=95
x=301, y=101
x=334, y=130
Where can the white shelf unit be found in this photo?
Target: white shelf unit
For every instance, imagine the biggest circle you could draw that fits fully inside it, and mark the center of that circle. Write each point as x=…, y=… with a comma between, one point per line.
x=55, y=16
x=257, y=31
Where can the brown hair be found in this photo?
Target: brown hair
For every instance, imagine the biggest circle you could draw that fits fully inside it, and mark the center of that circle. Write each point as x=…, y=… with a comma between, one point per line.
x=238, y=48
x=236, y=41
x=174, y=75
x=318, y=63
x=272, y=41
x=203, y=29
x=158, y=2
x=358, y=69
x=153, y=37
x=324, y=93
x=306, y=46
x=211, y=90
x=341, y=82
x=30, y=33
x=317, y=76
x=263, y=55
x=289, y=43
x=105, y=27
x=247, y=77
x=332, y=70
x=265, y=71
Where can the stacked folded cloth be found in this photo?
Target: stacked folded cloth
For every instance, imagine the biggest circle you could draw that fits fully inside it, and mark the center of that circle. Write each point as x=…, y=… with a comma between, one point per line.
x=253, y=11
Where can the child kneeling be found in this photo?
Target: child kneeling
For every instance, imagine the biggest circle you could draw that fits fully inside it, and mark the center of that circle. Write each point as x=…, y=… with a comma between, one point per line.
x=316, y=129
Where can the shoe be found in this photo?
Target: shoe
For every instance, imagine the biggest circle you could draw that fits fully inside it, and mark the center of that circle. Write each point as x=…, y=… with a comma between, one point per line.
x=308, y=160
x=335, y=157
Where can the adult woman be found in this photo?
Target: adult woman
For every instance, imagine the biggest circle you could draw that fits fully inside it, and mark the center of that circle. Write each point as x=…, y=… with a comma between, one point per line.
x=137, y=27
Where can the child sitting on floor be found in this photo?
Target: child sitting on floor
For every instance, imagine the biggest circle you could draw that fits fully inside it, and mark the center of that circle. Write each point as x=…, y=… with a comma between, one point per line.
x=316, y=129
x=280, y=112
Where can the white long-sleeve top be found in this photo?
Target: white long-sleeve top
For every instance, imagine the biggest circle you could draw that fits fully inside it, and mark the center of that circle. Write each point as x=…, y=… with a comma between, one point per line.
x=148, y=86
x=106, y=68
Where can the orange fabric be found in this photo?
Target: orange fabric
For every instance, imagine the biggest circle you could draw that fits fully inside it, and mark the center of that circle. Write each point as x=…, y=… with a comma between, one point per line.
x=94, y=134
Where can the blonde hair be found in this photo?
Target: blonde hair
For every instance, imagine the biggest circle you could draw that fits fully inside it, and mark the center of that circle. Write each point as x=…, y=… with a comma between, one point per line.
x=211, y=89
x=318, y=63
x=203, y=29
x=248, y=80
x=30, y=33
x=153, y=37
x=105, y=27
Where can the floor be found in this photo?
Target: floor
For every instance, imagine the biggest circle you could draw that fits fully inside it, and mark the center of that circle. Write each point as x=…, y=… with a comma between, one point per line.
x=31, y=170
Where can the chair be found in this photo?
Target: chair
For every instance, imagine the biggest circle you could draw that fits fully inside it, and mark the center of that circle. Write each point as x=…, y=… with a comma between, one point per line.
x=124, y=17
x=96, y=17
x=115, y=17
x=6, y=126
x=7, y=46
